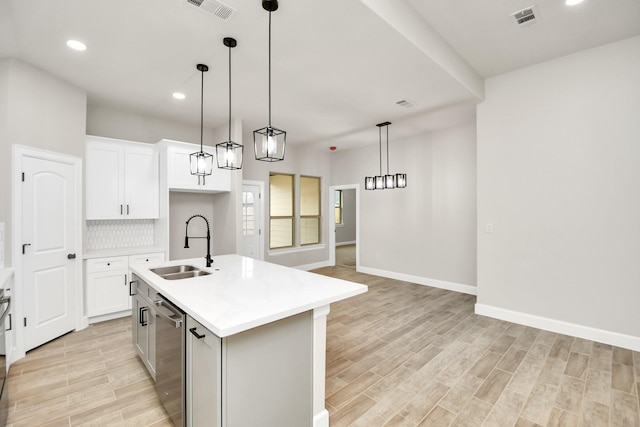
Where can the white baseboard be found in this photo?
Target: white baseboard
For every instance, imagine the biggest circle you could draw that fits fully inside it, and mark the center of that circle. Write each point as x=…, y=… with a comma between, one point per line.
x=435, y=283
x=313, y=266
x=352, y=242
x=559, y=326
x=321, y=419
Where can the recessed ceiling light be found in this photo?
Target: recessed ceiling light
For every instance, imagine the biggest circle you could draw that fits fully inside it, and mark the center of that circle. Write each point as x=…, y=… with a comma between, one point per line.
x=572, y=2
x=179, y=95
x=76, y=45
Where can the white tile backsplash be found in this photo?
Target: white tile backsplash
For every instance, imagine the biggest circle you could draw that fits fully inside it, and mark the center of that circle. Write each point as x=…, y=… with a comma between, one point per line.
x=119, y=234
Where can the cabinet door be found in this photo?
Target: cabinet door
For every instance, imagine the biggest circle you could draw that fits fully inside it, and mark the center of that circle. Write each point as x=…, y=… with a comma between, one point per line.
x=107, y=292
x=143, y=332
x=203, y=376
x=104, y=180
x=141, y=182
x=140, y=316
x=180, y=177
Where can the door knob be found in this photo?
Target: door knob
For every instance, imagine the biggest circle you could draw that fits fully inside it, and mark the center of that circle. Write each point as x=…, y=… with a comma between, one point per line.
x=71, y=256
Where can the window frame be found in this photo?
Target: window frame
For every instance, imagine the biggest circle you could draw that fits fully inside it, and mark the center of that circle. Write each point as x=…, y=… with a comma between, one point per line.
x=318, y=216
x=280, y=217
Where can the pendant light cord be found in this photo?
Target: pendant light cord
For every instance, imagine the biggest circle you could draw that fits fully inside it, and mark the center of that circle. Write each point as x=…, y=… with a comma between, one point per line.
x=387, y=149
x=269, y=68
x=380, y=147
x=229, y=93
x=201, y=107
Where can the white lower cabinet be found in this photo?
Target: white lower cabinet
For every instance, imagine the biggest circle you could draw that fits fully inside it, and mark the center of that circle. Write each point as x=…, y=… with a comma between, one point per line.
x=107, y=285
x=203, y=376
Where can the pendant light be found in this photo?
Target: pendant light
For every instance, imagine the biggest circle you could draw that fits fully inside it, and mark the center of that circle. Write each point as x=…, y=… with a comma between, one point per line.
x=388, y=181
x=201, y=162
x=269, y=143
x=377, y=182
x=229, y=153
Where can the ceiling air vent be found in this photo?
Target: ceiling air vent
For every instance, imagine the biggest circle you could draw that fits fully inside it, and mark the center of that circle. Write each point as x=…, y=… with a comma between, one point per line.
x=405, y=103
x=214, y=7
x=526, y=16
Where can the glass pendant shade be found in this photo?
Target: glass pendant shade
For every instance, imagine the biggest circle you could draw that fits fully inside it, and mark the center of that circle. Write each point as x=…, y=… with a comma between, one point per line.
x=379, y=182
x=201, y=163
x=229, y=155
x=401, y=180
x=369, y=183
x=389, y=181
x=269, y=144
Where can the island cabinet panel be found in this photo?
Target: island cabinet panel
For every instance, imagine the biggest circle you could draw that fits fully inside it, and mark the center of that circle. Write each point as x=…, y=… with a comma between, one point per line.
x=144, y=324
x=204, y=377
x=121, y=179
x=267, y=374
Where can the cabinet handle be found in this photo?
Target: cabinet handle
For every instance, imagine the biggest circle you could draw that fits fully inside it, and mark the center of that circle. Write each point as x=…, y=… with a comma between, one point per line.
x=127, y=209
x=125, y=280
x=10, y=324
x=197, y=335
x=143, y=321
x=130, y=288
x=120, y=209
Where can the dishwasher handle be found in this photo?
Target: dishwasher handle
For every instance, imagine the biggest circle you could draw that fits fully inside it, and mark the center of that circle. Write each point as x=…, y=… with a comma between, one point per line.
x=166, y=311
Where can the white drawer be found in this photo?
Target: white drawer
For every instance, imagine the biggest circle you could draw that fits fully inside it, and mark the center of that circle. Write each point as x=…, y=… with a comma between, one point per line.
x=146, y=258
x=96, y=265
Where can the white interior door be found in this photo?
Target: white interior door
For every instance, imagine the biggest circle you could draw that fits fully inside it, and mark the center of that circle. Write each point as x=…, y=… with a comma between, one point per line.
x=251, y=221
x=48, y=235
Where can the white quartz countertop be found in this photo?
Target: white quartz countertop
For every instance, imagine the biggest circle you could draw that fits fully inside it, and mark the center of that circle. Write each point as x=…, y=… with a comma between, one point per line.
x=242, y=293
x=102, y=253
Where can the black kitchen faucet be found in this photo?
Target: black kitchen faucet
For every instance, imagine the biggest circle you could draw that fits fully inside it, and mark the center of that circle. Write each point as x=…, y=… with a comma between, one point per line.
x=208, y=237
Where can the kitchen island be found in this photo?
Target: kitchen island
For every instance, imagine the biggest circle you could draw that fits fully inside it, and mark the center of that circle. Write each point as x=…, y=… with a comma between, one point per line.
x=255, y=339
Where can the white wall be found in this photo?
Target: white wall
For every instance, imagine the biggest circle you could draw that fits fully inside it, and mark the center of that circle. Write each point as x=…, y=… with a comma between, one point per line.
x=40, y=111
x=425, y=232
x=559, y=179
x=298, y=160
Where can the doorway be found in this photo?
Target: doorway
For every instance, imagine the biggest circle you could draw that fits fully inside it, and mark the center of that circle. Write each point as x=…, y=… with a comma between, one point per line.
x=252, y=219
x=343, y=248
x=47, y=245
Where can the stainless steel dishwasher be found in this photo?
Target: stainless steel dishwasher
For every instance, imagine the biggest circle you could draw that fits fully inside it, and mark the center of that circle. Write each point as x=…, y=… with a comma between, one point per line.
x=170, y=367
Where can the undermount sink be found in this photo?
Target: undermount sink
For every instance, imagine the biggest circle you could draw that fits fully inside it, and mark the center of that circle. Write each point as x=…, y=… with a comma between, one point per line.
x=176, y=272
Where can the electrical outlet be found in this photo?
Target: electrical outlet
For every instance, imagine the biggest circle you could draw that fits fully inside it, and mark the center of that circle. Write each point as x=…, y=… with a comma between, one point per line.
x=488, y=228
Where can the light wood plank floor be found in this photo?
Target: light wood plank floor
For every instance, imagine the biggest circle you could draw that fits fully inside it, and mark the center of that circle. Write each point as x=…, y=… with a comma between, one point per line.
x=399, y=355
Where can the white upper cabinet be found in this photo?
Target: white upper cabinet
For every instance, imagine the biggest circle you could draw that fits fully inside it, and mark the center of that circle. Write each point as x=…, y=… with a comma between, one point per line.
x=121, y=179
x=179, y=175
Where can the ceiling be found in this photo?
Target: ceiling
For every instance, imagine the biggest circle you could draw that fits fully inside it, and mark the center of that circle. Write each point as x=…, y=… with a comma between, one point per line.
x=338, y=66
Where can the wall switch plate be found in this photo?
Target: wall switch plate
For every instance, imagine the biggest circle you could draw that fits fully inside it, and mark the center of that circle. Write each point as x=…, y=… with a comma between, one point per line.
x=488, y=228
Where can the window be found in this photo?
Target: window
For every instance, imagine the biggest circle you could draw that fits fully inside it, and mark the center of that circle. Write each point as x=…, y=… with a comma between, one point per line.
x=280, y=211
x=309, y=210
x=338, y=205
x=283, y=221
x=248, y=214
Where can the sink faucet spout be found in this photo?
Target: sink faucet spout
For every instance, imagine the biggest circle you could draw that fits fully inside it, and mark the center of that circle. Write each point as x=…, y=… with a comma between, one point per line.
x=208, y=237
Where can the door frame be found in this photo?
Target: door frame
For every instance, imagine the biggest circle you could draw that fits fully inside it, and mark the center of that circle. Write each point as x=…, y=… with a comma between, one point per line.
x=261, y=217
x=332, y=222
x=19, y=152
